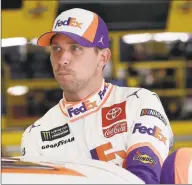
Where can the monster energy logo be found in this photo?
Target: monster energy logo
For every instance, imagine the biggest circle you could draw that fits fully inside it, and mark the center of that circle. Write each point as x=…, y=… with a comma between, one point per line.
x=46, y=135
x=55, y=133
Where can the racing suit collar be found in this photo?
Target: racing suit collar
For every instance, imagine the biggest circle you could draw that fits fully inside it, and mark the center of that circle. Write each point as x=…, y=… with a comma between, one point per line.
x=76, y=110
x=65, y=102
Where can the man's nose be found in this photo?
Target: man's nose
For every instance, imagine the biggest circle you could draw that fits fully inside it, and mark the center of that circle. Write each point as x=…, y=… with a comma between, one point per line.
x=65, y=58
x=64, y=62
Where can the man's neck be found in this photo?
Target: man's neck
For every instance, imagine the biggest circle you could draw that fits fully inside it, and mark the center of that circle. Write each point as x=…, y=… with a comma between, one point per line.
x=84, y=93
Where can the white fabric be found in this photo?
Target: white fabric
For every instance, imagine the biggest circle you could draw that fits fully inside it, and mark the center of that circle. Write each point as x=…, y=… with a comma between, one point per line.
x=88, y=132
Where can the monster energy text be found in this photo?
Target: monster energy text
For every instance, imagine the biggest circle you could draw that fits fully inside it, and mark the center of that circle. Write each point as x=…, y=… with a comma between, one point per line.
x=55, y=133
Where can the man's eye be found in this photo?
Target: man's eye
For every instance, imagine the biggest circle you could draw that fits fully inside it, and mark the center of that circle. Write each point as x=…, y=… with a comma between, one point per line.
x=55, y=48
x=75, y=47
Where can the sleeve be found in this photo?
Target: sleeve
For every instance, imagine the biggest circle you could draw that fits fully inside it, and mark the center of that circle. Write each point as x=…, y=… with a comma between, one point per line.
x=29, y=144
x=150, y=138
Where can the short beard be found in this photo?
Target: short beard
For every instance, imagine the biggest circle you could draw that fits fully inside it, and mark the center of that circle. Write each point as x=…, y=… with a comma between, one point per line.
x=75, y=86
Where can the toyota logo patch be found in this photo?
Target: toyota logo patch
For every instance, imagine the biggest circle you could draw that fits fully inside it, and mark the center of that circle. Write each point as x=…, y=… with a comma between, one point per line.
x=113, y=113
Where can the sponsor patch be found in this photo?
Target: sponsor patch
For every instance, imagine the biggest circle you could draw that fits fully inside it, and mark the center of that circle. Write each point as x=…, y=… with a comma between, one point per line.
x=115, y=129
x=155, y=132
x=151, y=112
x=144, y=158
x=84, y=107
x=55, y=145
x=102, y=93
x=69, y=22
x=55, y=133
x=114, y=120
x=87, y=106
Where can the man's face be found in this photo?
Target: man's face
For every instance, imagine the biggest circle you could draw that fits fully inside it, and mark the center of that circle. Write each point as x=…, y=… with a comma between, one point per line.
x=73, y=65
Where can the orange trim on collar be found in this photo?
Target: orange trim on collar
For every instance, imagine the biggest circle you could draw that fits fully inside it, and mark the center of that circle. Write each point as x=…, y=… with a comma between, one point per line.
x=104, y=100
x=92, y=94
x=62, y=110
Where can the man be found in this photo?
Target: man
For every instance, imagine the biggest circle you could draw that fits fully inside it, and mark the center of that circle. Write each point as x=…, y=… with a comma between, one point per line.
x=97, y=120
x=177, y=168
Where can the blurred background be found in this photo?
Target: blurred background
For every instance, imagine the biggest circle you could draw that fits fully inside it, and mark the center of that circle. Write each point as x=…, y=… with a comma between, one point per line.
x=151, y=43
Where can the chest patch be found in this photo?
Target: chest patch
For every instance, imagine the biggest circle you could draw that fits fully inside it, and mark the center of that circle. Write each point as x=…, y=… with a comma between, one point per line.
x=114, y=120
x=55, y=133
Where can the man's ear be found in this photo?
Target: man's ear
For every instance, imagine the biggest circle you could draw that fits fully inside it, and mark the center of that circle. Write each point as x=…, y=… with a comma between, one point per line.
x=104, y=56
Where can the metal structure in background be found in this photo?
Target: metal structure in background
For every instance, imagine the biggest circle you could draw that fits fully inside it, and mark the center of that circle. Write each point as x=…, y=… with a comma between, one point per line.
x=31, y=18
x=119, y=15
x=11, y=5
x=126, y=15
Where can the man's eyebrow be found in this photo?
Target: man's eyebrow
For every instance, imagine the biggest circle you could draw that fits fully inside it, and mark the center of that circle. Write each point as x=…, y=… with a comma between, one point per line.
x=55, y=43
x=52, y=43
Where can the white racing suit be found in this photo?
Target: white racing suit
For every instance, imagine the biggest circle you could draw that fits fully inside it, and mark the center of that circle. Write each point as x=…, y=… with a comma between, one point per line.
x=120, y=125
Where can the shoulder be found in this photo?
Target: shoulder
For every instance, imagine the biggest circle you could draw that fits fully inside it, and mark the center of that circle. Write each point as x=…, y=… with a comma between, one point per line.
x=44, y=121
x=134, y=93
x=52, y=114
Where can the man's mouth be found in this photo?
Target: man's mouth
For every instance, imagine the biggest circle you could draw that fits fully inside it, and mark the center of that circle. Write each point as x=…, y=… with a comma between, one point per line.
x=63, y=73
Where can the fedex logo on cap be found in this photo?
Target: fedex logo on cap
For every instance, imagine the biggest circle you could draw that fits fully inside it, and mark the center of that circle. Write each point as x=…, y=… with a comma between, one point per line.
x=155, y=132
x=87, y=105
x=69, y=22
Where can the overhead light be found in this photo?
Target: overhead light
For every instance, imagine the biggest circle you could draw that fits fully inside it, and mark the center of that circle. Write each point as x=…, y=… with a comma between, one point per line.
x=137, y=38
x=159, y=37
x=18, y=90
x=170, y=37
x=184, y=37
x=17, y=41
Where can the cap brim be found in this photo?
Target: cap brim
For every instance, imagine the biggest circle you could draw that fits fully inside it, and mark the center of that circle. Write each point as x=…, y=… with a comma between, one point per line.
x=44, y=40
